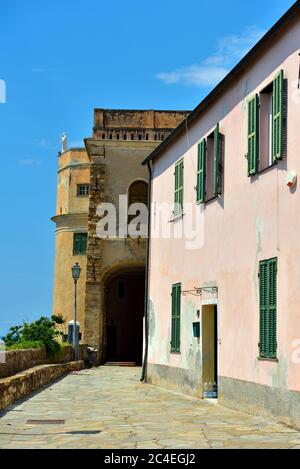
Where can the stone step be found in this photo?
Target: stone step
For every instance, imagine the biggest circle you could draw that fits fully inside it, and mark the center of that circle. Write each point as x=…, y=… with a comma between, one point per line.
x=126, y=364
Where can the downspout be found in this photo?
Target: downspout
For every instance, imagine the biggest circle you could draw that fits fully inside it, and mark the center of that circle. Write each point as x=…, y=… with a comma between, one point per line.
x=146, y=306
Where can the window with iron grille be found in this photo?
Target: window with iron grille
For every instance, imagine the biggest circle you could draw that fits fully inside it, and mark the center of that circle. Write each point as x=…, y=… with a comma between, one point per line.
x=80, y=244
x=268, y=308
x=83, y=190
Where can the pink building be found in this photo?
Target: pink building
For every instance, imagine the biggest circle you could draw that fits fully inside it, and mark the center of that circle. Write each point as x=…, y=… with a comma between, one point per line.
x=224, y=304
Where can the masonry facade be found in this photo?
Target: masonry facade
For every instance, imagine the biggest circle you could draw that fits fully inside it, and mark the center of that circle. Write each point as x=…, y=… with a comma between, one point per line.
x=223, y=313
x=112, y=284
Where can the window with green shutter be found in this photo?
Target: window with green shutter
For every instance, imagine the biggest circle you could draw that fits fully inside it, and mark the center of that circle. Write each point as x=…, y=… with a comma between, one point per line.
x=209, y=170
x=253, y=135
x=268, y=308
x=201, y=171
x=217, y=161
x=179, y=179
x=278, y=116
x=176, y=307
x=267, y=125
x=79, y=243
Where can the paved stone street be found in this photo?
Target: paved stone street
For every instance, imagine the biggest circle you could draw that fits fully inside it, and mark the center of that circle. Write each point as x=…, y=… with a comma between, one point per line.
x=109, y=408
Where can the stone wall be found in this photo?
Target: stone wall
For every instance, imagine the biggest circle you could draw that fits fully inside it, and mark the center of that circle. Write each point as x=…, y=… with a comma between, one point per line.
x=275, y=402
x=20, y=360
x=135, y=125
x=178, y=379
x=94, y=325
x=21, y=385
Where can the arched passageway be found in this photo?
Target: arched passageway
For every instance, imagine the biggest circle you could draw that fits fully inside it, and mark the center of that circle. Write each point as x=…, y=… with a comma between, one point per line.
x=125, y=296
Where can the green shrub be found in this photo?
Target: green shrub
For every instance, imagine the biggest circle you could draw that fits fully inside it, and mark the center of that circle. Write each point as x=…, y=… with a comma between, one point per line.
x=58, y=319
x=13, y=337
x=23, y=345
x=41, y=333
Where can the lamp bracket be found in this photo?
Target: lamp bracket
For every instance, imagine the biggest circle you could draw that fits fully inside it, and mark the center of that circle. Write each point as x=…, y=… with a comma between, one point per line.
x=198, y=291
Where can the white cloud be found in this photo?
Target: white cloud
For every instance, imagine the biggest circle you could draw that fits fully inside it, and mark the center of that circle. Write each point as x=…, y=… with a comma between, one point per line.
x=198, y=75
x=29, y=162
x=214, y=68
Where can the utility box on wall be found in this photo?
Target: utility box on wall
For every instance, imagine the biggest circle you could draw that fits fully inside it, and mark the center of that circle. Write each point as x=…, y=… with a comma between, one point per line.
x=70, y=332
x=196, y=330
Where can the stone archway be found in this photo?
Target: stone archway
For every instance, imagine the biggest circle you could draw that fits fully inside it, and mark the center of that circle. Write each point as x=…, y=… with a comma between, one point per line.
x=114, y=326
x=124, y=311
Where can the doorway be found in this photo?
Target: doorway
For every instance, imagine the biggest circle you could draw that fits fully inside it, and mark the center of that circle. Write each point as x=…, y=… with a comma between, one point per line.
x=125, y=311
x=210, y=350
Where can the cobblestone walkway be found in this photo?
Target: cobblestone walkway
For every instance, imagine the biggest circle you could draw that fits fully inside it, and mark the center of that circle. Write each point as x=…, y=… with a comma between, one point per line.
x=109, y=408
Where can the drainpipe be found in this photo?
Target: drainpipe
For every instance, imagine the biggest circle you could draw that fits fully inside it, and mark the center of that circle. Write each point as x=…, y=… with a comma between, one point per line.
x=146, y=306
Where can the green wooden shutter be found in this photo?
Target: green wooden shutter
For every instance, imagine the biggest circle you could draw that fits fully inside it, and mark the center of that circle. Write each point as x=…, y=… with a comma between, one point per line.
x=179, y=182
x=277, y=134
x=80, y=243
x=253, y=135
x=201, y=172
x=217, y=162
x=176, y=306
x=75, y=244
x=263, y=287
x=268, y=308
x=272, y=346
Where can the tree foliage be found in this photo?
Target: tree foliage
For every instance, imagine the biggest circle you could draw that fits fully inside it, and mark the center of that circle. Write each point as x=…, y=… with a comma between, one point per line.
x=40, y=333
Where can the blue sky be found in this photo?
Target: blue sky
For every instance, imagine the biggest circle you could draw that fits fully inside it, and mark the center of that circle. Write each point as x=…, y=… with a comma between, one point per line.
x=61, y=58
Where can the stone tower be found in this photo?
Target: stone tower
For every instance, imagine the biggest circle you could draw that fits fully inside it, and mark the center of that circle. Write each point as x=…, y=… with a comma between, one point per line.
x=111, y=287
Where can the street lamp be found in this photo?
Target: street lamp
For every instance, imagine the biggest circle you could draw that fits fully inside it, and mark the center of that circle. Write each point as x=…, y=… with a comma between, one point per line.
x=76, y=271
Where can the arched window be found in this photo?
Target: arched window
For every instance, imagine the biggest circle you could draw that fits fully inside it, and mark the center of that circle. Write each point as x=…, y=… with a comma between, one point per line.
x=138, y=194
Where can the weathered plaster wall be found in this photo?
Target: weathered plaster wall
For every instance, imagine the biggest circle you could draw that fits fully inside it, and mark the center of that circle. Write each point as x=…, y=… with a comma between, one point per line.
x=73, y=169
x=115, y=167
x=63, y=300
x=254, y=219
x=71, y=217
x=111, y=163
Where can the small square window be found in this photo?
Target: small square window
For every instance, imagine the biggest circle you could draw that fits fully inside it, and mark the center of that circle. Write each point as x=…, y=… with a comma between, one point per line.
x=83, y=190
x=80, y=244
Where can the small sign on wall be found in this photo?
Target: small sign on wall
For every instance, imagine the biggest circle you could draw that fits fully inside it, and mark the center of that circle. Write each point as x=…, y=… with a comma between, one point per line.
x=196, y=330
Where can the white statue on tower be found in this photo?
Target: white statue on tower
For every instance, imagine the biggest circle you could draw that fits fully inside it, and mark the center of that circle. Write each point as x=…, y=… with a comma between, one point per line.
x=64, y=142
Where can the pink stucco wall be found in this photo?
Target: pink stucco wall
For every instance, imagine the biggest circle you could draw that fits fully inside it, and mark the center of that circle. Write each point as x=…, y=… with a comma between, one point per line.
x=255, y=219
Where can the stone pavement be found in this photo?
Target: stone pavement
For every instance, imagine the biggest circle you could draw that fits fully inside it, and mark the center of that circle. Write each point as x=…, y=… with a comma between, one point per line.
x=109, y=408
